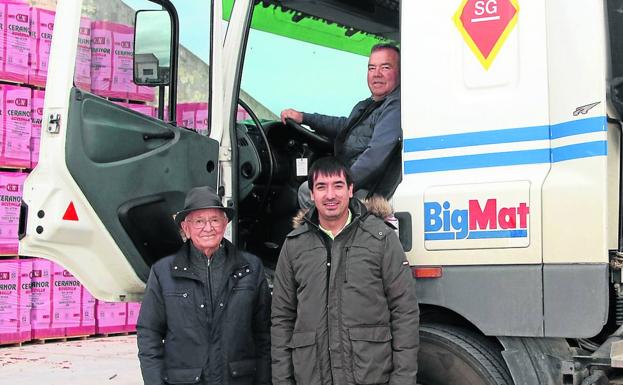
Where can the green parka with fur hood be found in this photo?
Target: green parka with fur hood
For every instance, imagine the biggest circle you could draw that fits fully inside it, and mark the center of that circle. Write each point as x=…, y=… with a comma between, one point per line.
x=344, y=311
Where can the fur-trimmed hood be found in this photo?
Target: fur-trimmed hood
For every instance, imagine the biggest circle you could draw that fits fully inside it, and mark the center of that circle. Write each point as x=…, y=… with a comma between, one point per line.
x=376, y=205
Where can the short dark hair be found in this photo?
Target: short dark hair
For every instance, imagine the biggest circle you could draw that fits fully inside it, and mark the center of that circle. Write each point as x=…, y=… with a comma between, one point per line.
x=380, y=46
x=330, y=166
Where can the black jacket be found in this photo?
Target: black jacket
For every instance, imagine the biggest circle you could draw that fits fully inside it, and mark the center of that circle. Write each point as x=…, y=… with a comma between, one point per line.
x=181, y=342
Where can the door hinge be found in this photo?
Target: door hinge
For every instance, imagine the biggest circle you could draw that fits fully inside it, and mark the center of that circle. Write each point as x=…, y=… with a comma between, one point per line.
x=224, y=153
x=54, y=123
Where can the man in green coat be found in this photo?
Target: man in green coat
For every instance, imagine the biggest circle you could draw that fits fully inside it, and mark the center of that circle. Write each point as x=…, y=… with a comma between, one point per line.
x=344, y=307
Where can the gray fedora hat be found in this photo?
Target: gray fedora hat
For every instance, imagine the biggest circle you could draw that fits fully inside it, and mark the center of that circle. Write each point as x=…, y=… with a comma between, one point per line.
x=199, y=198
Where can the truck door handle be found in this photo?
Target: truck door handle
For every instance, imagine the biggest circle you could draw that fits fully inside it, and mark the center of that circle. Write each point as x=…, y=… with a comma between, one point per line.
x=164, y=135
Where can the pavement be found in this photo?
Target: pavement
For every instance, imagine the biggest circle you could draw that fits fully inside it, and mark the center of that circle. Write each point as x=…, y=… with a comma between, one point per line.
x=99, y=360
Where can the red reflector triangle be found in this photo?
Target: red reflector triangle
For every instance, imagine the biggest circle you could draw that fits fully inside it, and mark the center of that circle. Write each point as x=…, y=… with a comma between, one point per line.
x=70, y=213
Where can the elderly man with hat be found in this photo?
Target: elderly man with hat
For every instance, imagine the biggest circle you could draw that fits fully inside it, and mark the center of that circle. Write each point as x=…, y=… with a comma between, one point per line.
x=205, y=316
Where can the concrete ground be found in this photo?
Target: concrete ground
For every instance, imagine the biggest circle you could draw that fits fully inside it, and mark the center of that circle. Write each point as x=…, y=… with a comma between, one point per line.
x=99, y=360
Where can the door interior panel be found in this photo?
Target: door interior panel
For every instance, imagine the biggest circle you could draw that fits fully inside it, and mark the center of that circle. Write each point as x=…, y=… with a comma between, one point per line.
x=101, y=122
x=135, y=171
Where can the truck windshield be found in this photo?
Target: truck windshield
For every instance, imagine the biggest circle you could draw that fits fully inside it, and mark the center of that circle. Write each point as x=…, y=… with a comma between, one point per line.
x=285, y=73
x=304, y=62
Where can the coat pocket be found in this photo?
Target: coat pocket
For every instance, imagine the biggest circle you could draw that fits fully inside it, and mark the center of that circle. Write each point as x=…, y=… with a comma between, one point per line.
x=372, y=354
x=304, y=358
x=182, y=376
x=180, y=308
x=242, y=368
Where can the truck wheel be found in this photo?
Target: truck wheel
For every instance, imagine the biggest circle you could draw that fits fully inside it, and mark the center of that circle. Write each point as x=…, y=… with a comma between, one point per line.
x=453, y=355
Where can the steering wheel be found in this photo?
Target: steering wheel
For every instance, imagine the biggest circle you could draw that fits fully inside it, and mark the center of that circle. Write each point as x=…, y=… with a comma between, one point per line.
x=319, y=141
x=271, y=165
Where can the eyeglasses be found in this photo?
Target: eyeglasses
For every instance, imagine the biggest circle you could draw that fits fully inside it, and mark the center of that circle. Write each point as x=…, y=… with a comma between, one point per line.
x=200, y=223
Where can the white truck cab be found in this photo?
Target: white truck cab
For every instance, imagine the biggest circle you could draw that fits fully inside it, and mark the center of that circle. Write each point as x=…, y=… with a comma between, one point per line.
x=509, y=199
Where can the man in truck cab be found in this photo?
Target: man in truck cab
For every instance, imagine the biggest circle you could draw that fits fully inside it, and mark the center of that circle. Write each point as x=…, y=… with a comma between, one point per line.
x=344, y=307
x=369, y=140
x=205, y=316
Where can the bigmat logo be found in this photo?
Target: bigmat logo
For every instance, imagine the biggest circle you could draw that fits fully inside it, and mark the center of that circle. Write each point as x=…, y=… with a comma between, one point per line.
x=481, y=219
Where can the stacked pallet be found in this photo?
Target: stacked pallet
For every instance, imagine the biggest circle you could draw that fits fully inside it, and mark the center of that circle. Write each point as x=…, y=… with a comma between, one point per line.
x=39, y=299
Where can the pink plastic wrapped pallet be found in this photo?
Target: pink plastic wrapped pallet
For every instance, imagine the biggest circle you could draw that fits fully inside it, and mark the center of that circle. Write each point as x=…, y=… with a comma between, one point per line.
x=122, y=60
x=9, y=272
x=133, y=310
x=166, y=113
x=36, y=112
x=66, y=296
x=185, y=115
x=36, y=117
x=87, y=318
x=25, y=298
x=241, y=114
x=110, y=317
x=15, y=104
x=11, y=189
x=143, y=93
x=101, y=58
x=201, y=118
x=112, y=62
x=41, y=312
x=41, y=27
x=10, y=304
x=35, y=147
x=142, y=108
x=14, y=41
x=82, y=74
x=123, y=65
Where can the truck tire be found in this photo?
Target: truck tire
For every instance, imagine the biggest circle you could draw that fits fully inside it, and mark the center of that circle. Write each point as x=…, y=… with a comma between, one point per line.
x=453, y=355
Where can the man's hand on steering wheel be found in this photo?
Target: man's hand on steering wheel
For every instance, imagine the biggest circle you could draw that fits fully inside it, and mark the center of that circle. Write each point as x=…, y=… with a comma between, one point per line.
x=294, y=118
x=291, y=114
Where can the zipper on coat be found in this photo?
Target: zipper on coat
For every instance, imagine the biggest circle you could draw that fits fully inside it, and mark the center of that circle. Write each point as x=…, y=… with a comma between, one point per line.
x=328, y=245
x=346, y=264
x=210, y=289
x=328, y=269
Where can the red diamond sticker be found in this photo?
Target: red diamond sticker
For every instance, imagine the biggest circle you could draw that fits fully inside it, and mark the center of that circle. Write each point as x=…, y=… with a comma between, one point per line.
x=485, y=25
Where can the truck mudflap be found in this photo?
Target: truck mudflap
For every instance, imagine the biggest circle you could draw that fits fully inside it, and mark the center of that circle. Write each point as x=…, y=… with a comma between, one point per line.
x=536, y=361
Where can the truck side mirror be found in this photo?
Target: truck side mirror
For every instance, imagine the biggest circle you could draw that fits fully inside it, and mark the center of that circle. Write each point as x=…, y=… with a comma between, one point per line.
x=152, y=48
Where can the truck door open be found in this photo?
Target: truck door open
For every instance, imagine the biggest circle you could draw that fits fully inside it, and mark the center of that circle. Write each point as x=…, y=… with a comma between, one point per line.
x=101, y=199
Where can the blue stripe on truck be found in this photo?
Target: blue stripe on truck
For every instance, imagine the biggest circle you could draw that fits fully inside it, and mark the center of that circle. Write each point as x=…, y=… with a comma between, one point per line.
x=508, y=158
